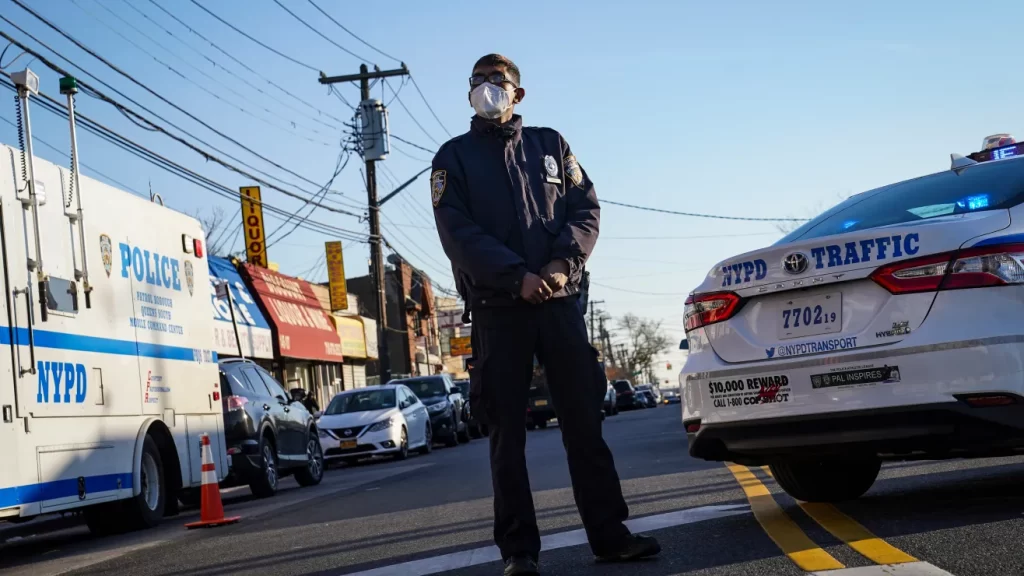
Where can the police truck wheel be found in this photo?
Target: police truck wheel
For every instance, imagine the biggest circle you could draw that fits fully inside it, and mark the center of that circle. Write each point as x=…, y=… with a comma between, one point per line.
x=144, y=510
x=831, y=479
x=264, y=483
x=313, y=473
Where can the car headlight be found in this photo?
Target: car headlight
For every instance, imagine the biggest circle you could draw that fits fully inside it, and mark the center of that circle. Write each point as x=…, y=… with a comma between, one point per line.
x=439, y=407
x=382, y=425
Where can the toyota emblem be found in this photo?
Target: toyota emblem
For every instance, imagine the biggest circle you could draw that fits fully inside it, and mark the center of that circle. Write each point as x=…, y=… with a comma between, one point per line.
x=795, y=263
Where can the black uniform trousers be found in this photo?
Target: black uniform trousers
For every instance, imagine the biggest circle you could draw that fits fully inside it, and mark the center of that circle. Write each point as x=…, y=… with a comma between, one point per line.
x=505, y=340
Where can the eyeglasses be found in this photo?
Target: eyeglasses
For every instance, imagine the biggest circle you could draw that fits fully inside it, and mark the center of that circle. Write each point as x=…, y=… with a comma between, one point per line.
x=496, y=78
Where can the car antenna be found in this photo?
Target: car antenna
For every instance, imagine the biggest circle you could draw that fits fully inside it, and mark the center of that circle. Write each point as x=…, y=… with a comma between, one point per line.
x=959, y=162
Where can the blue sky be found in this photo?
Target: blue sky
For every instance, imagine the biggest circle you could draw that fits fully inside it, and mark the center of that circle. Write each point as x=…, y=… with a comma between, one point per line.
x=743, y=108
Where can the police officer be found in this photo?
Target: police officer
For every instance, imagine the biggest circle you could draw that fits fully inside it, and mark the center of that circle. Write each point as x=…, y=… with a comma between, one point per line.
x=518, y=218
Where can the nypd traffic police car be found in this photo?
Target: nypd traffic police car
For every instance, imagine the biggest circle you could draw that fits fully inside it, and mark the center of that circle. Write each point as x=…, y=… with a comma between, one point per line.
x=890, y=327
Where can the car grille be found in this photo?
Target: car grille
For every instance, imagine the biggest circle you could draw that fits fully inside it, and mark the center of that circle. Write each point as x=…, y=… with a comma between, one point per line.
x=346, y=433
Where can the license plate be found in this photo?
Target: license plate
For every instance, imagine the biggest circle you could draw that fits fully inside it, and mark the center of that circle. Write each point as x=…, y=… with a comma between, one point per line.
x=349, y=444
x=822, y=314
x=541, y=403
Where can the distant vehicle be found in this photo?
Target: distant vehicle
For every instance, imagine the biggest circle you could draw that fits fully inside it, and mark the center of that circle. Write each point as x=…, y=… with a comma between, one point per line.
x=610, y=406
x=672, y=397
x=539, y=408
x=445, y=403
x=625, y=396
x=655, y=392
x=885, y=328
x=268, y=436
x=647, y=398
x=377, y=420
x=476, y=429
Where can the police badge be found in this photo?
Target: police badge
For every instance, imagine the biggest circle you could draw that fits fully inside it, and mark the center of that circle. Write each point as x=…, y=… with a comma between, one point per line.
x=551, y=166
x=438, y=181
x=106, y=253
x=573, y=170
x=190, y=278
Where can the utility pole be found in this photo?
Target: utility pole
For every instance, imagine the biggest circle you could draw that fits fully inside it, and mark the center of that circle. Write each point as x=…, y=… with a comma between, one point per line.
x=373, y=207
x=593, y=340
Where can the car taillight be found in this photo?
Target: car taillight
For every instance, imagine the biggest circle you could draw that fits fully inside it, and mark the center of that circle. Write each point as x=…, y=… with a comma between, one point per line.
x=707, y=309
x=998, y=265
x=236, y=402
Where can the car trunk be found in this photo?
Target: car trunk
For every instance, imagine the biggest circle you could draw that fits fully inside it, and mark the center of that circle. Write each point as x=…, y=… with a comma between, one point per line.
x=816, y=295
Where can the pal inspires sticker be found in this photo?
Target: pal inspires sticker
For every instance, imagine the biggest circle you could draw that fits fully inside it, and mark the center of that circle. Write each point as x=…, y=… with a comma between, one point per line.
x=106, y=253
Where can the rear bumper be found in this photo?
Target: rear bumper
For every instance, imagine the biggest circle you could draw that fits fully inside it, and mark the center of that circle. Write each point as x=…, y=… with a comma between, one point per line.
x=948, y=430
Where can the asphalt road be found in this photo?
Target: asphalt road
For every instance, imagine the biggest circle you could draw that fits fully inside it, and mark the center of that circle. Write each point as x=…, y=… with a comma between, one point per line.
x=432, y=514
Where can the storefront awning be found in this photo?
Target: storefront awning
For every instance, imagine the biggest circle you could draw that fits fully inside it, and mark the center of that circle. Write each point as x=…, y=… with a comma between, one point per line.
x=253, y=329
x=303, y=329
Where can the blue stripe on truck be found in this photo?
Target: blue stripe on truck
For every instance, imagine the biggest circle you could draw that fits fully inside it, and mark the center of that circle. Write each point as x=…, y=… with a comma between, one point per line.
x=80, y=343
x=32, y=493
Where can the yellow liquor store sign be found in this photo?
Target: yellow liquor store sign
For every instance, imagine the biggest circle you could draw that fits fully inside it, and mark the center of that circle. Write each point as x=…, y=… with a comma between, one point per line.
x=336, y=276
x=252, y=226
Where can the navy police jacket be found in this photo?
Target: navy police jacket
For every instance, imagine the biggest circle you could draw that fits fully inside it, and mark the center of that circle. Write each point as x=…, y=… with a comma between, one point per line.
x=508, y=200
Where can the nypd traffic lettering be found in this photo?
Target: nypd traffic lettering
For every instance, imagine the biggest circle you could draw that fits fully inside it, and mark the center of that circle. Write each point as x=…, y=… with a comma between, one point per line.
x=150, y=267
x=868, y=250
x=742, y=272
x=69, y=382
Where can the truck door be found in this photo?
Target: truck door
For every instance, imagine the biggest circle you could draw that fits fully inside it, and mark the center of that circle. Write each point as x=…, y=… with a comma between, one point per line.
x=12, y=428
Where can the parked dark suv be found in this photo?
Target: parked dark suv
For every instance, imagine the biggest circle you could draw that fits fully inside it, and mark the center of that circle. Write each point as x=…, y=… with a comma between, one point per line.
x=625, y=396
x=445, y=404
x=268, y=435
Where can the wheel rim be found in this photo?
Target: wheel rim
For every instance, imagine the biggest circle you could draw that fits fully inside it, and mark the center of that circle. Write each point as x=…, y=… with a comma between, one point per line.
x=315, y=457
x=150, y=481
x=429, y=435
x=405, y=441
x=268, y=462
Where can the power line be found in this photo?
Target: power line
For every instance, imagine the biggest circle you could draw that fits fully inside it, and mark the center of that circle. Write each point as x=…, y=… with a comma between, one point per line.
x=429, y=107
x=188, y=79
x=53, y=106
x=638, y=291
x=86, y=166
x=352, y=34
x=321, y=34
x=413, y=144
x=242, y=64
x=89, y=90
x=339, y=167
x=143, y=86
x=218, y=65
x=687, y=237
x=274, y=50
x=404, y=107
x=696, y=215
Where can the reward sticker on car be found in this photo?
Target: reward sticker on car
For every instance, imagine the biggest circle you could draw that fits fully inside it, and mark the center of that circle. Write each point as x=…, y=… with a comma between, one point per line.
x=874, y=375
x=767, y=389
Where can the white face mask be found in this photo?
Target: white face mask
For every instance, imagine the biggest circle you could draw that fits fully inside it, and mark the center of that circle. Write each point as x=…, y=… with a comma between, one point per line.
x=490, y=101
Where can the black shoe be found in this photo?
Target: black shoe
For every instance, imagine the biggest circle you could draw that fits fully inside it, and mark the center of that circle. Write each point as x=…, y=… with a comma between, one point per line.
x=521, y=566
x=632, y=547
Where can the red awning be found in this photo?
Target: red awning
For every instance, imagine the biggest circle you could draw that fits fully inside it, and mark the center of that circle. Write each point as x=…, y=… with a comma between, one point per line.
x=302, y=328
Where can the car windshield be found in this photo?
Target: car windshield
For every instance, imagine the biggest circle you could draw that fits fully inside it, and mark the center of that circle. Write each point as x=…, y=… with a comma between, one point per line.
x=361, y=401
x=990, y=186
x=426, y=387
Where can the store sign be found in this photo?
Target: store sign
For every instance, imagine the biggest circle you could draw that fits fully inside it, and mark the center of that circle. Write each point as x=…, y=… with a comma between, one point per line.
x=461, y=346
x=336, y=276
x=252, y=226
x=253, y=329
x=303, y=329
x=350, y=330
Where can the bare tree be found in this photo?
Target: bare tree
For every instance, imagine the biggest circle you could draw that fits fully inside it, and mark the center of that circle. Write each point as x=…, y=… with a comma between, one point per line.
x=646, y=340
x=214, y=224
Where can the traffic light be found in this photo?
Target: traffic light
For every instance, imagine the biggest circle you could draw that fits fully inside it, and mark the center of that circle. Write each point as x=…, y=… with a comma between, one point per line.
x=668, y=365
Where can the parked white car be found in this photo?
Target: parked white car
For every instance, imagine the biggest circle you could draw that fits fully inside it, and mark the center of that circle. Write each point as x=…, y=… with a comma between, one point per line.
x=381, y=420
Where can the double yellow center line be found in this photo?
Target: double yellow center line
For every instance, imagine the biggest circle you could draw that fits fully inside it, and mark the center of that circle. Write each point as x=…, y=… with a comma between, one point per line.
x=796, y=544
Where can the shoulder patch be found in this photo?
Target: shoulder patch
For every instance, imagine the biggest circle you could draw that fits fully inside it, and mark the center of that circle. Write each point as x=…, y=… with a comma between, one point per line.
x=438, y=182
x=572, y=169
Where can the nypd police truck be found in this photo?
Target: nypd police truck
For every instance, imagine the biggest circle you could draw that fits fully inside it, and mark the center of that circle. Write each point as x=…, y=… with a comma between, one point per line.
x=105, y=345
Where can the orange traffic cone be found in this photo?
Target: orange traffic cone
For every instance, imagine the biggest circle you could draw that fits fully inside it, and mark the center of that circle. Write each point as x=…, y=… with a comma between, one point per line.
x=212, y=509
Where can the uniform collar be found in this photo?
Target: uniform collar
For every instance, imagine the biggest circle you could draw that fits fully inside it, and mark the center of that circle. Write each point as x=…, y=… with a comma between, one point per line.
x=509, y=129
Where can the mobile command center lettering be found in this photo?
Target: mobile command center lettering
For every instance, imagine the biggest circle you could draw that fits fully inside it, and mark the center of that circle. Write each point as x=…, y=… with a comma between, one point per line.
x=150, y=267
x=66, y=377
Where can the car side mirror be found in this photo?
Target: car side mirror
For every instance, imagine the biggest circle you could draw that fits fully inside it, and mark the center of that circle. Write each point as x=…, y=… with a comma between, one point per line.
x=684, y=345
